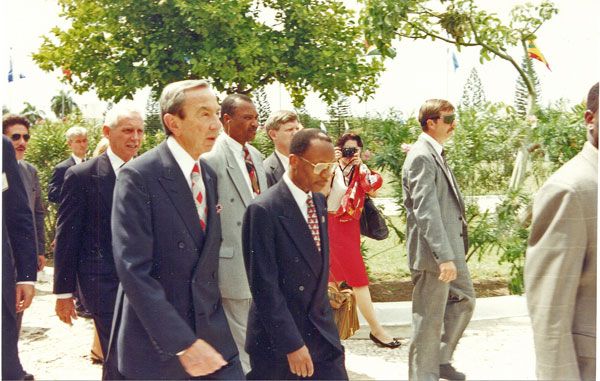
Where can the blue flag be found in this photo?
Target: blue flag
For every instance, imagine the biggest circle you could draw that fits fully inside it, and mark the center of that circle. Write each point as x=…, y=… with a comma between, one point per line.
x=455, y=61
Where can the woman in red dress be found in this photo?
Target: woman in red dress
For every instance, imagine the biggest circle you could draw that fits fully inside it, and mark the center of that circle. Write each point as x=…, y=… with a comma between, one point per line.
x=351, y=182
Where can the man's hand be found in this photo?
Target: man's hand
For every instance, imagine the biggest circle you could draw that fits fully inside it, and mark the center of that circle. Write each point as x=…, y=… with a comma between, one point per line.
x=201, y=359
x=65, y=309
x=41, y=262
x=301, y=363
x=447, y=272
x=24, y=295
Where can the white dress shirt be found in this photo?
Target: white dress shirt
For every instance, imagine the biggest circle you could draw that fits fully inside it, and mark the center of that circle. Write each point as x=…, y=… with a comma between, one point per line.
x=299, y=195
x=77, y=159
x=184, y=160
x=115, y=162
x=238, y=152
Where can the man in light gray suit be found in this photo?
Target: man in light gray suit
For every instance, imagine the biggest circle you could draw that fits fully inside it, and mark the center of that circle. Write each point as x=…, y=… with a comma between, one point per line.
x=240, y=178
x=560, y=268
x=443, y=295
x=281, y=127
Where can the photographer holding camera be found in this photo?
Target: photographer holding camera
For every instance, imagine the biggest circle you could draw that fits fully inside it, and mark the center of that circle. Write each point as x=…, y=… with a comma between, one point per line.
x=352, y=181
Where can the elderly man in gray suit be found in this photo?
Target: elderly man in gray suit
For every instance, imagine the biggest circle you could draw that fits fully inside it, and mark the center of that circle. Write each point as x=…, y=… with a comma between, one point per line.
x=240, y=178
x=560, y=269
x=443, y=295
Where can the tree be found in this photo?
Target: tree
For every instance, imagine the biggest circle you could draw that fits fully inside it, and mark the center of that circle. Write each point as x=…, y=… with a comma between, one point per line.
x=153, y=123
x=339, y=111
x=62, y=104
x=32, y=113
x=5, y=110
x=521, y=94
x=473, y=94
x=262, y=105
x=461, y=23
x=119, y=46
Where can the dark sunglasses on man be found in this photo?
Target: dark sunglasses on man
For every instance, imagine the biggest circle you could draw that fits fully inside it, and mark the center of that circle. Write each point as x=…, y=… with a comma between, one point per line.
x=448, y=119
x=16, y=137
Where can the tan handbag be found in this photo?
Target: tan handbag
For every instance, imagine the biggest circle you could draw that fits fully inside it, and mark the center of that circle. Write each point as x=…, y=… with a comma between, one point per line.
x=343, y=303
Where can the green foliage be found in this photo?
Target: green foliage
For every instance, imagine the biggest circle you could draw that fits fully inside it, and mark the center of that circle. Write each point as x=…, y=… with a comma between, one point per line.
x=32, y=113
x=473, y=93
x=263, y=143
x=339, y=112
x=152, y=121
x=521, y=92
x=262, y=105
x=119, y=46
x=62, y=104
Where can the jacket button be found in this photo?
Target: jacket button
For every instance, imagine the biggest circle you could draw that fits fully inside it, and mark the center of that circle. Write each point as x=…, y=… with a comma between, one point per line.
x=215, y=307
x=301, y=288
x=181, y=245
x=296, y=259
x=214, y=274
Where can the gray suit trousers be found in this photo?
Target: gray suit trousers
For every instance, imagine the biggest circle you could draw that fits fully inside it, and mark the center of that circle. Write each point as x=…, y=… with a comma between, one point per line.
x=441, y=312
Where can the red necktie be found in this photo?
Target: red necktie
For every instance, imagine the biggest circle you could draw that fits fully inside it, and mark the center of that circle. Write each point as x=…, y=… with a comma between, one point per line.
x=251, y=171
x=198, y=192
x=313, y=222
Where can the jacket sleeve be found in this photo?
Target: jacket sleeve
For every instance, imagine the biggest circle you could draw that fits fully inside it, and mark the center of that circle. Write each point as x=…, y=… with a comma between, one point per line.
x=17, y=217
x=55, y=184
x=261, y=266
x=38, y=213
x=133, y=251
x=69, y=232
x=554, y=261
x=427, y=209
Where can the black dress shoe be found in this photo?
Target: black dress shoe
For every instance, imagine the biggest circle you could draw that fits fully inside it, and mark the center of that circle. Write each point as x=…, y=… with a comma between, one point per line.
x=395, y=343
x=28, y=376
x=448, y=372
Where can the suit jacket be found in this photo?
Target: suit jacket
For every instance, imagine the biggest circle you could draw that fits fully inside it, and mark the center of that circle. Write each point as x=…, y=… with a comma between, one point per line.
x=83, y=251
x=57, y=179
x=18, y=236
x=274, y=169
x=560, y=269
x=31, y=181
x=167, y=267
x=288, y=278
x=235, y=197
x=435, y=212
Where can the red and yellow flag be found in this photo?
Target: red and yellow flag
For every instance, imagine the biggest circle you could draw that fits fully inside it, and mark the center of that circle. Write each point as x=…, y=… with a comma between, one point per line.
x=536, y=54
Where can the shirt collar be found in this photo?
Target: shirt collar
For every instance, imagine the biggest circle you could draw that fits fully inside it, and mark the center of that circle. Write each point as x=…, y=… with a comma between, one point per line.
x=299, y=195
x=436, y=146
x=234, y=144
x=284, y=159
x=77, y=159
x=115, y=161
x=185, y=161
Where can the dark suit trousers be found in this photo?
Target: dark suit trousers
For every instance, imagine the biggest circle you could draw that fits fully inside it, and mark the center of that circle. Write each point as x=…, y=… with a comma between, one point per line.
x=267, y=369
x=11, y=365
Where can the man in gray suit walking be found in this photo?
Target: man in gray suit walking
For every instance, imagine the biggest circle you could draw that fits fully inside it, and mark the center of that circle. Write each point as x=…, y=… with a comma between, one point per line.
x=443, y=295
x=560, y=269
x=240, y=178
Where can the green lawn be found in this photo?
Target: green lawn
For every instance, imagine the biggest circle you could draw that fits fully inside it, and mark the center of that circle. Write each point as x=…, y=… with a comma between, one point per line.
x=386, y=260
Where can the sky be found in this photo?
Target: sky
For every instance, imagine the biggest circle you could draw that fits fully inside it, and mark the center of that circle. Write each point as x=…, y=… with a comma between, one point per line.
x=421, y=69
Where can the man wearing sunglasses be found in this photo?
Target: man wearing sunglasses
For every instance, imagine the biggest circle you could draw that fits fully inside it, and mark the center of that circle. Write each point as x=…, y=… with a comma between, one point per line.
x=16, y=128
x=443, y=295
x=291, y=331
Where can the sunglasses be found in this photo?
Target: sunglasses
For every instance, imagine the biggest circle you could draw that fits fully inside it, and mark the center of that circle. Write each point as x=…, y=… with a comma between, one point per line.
x=16, y=137
x=320, y=167
x=448, y=119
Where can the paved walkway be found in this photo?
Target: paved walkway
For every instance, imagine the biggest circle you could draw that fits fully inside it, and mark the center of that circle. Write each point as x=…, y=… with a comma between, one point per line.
x=497, y=344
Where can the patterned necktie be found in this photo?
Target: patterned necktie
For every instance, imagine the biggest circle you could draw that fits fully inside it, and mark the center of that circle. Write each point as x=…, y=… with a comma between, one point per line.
x=198, y=191
x=251, y=171
x=313, y=222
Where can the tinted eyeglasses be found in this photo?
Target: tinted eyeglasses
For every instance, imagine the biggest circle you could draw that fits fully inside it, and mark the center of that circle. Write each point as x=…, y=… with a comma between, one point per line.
x=320, y=167
x=16, y=137
x=448, y=119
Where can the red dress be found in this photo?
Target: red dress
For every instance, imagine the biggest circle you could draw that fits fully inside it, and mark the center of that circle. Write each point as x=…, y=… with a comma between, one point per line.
x=345, y=259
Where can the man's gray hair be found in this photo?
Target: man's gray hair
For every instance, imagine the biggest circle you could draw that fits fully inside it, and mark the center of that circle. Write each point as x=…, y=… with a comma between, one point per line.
x=173, y=95
x=119, y=111
x=75, y=131
x=279, y=118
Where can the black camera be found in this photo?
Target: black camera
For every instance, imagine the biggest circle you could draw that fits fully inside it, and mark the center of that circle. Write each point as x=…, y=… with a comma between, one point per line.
x=349, y=152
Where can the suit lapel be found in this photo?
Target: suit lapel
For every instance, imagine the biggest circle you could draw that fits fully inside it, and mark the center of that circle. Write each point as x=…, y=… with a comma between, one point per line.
x=105, y=179
x=179, y=192
x=448, y=174
x=294, y=223
x=211, y=206
x=236, y=176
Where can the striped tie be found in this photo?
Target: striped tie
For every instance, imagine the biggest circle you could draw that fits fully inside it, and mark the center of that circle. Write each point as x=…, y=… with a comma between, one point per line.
x=198, y=192
x=251, y=171
x=313, y=222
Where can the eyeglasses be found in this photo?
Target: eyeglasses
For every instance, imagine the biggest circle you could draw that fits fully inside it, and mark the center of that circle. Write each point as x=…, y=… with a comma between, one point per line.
x=448, y=119
x=16, y=137
x=320, y=167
